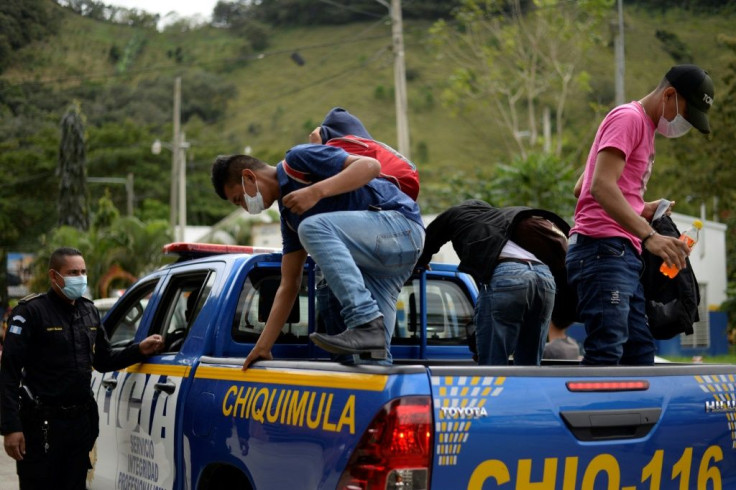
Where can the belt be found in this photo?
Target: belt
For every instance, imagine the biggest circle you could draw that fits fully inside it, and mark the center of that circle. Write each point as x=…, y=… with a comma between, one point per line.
x=580, y=239
x=64, y=411
x=518, y=261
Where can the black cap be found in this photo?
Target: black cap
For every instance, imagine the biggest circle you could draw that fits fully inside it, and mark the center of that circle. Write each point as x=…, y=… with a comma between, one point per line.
x=693, y=83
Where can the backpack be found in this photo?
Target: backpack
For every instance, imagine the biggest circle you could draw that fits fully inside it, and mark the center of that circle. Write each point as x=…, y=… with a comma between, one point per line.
x=395, y=167
x=671, y=304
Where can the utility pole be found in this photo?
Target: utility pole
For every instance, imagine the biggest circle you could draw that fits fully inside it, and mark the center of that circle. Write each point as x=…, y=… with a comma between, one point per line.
x=178, y=147
x=181, y=150
x=397, y=36
x=175, y=154
x=130, y=193
x=619, y=50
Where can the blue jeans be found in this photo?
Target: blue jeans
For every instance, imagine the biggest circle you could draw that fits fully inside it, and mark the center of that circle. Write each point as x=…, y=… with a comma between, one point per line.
x=329, y=320
x=611, y=304
x=365, y=256
x=328, y=309
x=512, y=314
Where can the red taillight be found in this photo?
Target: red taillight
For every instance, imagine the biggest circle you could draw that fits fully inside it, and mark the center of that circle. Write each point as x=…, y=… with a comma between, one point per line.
x=395, y=451
x=622, y=385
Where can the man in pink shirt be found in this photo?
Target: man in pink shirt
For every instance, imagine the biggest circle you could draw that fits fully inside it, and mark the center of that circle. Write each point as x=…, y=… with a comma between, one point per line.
x=612, y=219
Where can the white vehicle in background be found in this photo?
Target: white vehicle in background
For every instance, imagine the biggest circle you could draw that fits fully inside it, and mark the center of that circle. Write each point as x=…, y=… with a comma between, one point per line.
x=128, y=326
x=104, y=305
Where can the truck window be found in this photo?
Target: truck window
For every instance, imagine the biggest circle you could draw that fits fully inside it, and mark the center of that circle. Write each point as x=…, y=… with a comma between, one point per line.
x=449, y=313
x=183, y=299
x=122, y=323
x=254, y=306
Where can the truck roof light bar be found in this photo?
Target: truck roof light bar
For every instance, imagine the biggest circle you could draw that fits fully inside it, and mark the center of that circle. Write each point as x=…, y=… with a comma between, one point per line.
x=619, y=385
x=195, y=250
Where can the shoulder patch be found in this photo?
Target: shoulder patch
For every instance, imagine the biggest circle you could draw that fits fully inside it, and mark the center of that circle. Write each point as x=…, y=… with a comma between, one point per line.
x=29, y=297
x=16, y=323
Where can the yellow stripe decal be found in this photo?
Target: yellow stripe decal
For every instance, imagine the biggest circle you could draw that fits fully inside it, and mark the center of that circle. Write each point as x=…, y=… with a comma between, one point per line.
x=163, y=369
x=317, y=379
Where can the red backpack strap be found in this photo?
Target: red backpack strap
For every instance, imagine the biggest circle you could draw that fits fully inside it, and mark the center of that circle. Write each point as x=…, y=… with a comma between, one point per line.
x=301, y=177
x=355, y=140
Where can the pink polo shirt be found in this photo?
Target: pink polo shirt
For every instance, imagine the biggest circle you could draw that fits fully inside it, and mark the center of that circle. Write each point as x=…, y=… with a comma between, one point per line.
x=629, y=129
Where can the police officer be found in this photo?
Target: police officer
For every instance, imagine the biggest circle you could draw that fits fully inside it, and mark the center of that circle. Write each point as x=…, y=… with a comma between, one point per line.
x=47, y=412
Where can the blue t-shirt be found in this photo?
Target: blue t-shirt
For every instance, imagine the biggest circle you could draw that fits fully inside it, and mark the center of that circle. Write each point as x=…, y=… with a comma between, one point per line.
x=313, y=163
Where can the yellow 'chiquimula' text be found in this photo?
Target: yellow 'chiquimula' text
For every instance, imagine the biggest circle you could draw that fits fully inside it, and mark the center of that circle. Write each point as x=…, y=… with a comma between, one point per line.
x=289, y=407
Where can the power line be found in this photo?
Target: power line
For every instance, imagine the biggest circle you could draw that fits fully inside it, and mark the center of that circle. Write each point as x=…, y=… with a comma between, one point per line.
x=261, y=102
x=351, y=9
x=159, y=68
x=332, y=77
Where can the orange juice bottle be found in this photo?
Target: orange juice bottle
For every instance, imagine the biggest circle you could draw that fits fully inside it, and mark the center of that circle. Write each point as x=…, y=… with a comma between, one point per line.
x=690, y=237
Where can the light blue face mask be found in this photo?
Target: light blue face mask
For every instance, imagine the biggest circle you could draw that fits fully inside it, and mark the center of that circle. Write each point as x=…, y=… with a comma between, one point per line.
x=74, y=286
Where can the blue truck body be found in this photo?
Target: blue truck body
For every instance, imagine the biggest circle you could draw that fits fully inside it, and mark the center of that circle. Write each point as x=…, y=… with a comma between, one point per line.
x=190, y=418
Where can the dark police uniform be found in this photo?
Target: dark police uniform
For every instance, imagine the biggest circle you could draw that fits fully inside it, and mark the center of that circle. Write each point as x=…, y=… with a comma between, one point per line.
x=51, y=347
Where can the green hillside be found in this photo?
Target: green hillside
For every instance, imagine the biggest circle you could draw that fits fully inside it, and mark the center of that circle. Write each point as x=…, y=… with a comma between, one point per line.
x=264, y=100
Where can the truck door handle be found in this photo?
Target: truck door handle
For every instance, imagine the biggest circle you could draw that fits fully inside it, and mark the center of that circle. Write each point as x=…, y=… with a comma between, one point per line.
x=599, y=425
x=110, y=383
x=166, y=387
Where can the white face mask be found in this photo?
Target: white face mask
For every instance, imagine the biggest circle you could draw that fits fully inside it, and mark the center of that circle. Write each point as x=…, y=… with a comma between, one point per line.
x=674, y=128
x=253, y=205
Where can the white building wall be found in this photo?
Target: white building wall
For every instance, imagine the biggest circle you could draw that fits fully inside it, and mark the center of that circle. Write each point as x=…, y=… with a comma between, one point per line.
x=267, y=235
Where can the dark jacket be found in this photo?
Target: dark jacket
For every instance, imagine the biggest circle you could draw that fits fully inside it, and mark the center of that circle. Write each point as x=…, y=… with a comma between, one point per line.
x=478, y=232
x=672, y=304
x=51, y=346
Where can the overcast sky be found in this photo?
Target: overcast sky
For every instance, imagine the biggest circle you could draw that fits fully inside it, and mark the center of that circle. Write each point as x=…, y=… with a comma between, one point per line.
x=184, y=8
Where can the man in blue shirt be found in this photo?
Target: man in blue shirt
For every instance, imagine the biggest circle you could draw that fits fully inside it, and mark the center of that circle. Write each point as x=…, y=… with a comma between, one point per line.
x=361, y=230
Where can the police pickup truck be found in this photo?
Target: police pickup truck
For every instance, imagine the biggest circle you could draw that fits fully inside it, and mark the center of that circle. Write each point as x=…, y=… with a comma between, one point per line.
x=190, y=418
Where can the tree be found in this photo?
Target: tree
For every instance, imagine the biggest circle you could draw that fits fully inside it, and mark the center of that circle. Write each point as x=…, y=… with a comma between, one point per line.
x=538, y=181
x=124, y=244
x=518, y=60
x=72, y=171
x=312, y=12
x=22, y=22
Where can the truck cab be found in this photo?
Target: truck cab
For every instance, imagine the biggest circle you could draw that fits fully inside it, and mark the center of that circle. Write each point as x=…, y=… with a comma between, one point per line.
x=214, y=302
x=434, y=311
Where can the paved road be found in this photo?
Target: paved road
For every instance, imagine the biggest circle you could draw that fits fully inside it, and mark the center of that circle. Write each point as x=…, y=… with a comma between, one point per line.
x=8, y=478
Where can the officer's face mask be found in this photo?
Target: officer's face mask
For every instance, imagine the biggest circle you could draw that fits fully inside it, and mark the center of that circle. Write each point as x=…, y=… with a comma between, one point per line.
x=74, y=286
